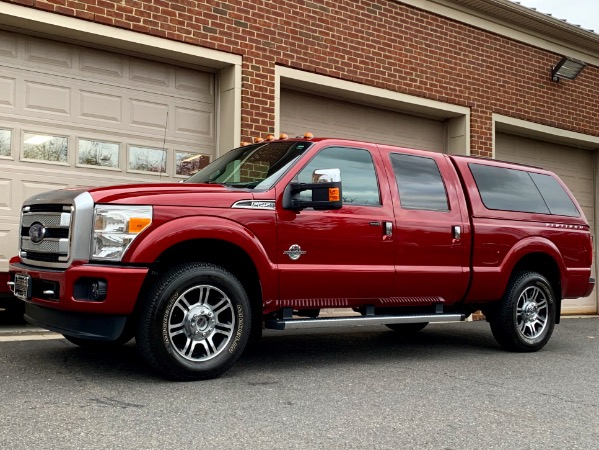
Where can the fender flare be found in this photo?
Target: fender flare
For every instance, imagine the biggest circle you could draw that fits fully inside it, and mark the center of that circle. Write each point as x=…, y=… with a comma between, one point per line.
x=526, y=246
x=489, y=283
x=150, y=246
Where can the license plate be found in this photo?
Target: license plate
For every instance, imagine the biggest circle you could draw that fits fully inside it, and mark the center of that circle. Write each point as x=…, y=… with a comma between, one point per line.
x=22, y=286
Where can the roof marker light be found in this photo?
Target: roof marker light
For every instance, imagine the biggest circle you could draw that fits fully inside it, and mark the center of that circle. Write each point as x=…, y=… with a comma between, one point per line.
x=308, y=135
x=283, y=136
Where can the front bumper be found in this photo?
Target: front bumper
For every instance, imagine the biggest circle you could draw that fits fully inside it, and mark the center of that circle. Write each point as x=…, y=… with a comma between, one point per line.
x=123, y=284
x=87, y=326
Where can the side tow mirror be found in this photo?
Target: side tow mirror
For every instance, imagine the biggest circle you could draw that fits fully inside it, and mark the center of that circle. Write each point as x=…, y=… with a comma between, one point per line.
x=325, y=188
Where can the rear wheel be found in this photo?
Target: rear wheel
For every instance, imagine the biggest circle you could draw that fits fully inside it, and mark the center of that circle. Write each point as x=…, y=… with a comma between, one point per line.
x=525, y=318
x=195, y=322
x=407, y=328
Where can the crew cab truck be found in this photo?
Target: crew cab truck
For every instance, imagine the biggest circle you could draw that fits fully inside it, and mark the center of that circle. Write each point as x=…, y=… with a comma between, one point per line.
x=271, y=233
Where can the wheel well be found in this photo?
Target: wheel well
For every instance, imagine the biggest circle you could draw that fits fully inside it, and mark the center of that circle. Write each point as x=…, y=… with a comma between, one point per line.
x=546, y=266
x=221, y=253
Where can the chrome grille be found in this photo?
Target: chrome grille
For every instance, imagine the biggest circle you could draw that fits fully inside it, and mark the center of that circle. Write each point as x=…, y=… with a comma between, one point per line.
x=46, y=246
x=48, y=220
x=55, y=244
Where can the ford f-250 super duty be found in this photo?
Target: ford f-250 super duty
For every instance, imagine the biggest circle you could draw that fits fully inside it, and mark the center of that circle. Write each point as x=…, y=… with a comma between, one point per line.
x=271, y=233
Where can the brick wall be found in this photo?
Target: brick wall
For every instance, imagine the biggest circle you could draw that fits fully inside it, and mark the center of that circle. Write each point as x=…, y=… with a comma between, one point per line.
x=380, y=43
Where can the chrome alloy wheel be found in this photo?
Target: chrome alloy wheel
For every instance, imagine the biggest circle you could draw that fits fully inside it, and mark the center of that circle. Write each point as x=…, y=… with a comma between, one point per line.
x=532, y=312
x=201, y=323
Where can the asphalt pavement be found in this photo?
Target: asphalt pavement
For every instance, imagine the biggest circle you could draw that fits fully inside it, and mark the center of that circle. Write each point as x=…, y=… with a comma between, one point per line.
x=449, y=387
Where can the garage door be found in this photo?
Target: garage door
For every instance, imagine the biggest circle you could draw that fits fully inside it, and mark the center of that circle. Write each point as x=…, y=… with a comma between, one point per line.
x=576, y=167
x=72, y=116
x=325, y=117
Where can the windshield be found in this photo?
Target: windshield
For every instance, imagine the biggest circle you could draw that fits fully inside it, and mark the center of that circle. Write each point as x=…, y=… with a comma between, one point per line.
x=256, y=166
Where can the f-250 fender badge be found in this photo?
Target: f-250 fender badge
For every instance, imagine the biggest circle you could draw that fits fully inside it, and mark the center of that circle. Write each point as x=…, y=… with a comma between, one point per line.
x=294, y=252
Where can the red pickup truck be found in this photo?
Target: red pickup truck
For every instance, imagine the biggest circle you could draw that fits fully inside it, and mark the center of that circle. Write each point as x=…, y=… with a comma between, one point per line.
x=271, y=233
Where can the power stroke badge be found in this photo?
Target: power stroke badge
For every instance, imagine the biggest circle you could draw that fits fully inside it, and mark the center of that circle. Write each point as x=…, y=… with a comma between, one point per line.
x=294, y=252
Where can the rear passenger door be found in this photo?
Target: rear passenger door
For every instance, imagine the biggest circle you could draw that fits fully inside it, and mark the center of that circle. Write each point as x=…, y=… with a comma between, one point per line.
x=432, y=238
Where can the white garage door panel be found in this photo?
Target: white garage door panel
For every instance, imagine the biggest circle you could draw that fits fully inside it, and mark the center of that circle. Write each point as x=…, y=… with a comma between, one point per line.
x=325, y=117
x=105, y=108
x=576, y=167
x=116, y=110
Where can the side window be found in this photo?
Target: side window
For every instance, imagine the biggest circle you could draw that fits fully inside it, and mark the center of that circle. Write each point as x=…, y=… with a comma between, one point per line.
x=557, y=200
x=358, y=176
x=508, y=189
x=419, y=183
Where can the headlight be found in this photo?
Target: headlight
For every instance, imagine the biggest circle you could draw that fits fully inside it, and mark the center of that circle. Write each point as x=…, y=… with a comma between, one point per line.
x=115, y=227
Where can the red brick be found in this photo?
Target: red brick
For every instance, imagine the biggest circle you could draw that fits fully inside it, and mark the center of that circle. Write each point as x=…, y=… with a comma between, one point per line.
x=384, y=44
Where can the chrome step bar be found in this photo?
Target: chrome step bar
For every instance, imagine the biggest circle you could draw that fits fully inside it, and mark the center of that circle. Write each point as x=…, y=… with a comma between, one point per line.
x=325, y=322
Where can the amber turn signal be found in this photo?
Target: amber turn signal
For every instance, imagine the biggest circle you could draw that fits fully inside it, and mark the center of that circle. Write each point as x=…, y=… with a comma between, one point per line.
x=137, y=225
x=334, y=194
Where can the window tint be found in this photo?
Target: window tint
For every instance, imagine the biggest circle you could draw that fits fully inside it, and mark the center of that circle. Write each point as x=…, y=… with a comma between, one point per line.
x=358, y=176
x=557, y=200
x=419, y=183
x=508, y=189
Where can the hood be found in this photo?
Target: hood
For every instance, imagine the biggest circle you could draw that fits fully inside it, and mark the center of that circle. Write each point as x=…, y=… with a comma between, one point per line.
x=171, y=194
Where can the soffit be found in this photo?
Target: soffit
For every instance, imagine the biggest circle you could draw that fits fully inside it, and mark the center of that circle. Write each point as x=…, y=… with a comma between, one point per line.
x=518, y=22
x=534, y=20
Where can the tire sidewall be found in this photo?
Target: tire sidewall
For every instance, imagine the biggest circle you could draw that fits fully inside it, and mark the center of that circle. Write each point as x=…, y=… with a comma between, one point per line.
x=165, y=302
x=524, y=282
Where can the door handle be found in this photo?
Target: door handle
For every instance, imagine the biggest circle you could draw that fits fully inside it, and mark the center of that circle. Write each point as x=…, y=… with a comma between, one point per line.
x=388, y=228
x=456, y=232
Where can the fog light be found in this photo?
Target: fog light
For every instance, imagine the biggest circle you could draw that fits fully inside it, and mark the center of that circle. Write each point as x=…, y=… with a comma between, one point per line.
x=97, y=290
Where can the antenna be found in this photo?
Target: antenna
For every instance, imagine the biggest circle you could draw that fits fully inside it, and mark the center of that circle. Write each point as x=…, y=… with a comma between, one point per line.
x=164, y=147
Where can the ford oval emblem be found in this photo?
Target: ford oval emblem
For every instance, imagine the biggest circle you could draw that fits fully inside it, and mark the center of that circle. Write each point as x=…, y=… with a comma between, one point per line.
x=37, y=232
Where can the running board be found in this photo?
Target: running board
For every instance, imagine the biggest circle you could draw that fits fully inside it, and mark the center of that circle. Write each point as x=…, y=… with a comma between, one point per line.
x=325, y=322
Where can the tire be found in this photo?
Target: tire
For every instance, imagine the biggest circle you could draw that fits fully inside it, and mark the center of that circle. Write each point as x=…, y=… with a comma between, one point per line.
x=525, y=318
x=407, y=328
x=194, y=323
x=98, y=344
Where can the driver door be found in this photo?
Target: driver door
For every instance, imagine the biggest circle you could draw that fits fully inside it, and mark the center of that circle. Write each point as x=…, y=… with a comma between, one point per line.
x=344, y=257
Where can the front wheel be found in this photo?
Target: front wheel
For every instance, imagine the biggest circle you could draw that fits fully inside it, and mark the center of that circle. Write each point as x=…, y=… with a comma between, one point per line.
x=195, y=322
x=525, y=318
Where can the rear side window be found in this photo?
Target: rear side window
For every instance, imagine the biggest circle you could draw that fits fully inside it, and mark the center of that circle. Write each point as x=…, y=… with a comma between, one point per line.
x=517, y=190
x=419, y=183
x=558, y=201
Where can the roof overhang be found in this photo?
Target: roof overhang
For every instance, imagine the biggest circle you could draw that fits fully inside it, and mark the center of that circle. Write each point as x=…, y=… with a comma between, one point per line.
x=510, y=19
